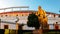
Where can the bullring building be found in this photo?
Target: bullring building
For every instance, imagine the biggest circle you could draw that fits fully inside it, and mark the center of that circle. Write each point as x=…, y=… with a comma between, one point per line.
x=10, y=19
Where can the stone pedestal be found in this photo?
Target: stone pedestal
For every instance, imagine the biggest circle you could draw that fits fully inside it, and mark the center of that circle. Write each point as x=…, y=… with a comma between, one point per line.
x=39, y=31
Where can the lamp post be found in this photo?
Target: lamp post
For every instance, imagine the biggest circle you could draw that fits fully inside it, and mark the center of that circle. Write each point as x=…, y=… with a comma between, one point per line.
x=17, y=25
x=0, y=23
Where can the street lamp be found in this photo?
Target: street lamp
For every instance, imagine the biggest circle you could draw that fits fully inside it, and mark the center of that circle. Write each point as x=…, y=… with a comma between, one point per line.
x=0, y=23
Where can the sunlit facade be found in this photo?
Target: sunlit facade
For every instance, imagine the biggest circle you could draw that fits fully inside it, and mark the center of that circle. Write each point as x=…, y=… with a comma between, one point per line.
x=10, y=18
x=13, y=19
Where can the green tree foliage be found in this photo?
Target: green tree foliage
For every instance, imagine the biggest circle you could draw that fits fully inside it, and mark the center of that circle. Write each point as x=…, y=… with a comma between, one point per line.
x=33, y=21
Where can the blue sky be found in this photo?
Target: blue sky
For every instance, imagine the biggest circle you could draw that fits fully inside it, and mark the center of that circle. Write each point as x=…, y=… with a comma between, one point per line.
x=47, y=5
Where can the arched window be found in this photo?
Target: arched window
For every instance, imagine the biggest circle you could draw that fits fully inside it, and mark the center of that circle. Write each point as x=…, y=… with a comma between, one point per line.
x=22, y=14
x=6, y=15
x=16, y=15
x=54, y=15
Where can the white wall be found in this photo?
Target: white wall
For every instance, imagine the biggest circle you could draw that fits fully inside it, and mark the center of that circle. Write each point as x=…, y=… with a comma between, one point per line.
x=25, y=27
x=10, y=26
x=52, y=21
x=23, y=20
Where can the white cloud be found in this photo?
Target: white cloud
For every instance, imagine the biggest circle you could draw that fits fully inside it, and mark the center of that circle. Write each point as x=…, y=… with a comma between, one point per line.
x=6, y=3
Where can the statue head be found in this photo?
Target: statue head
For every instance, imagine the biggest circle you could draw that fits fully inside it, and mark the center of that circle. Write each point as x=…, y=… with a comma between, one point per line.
x=39, y=7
